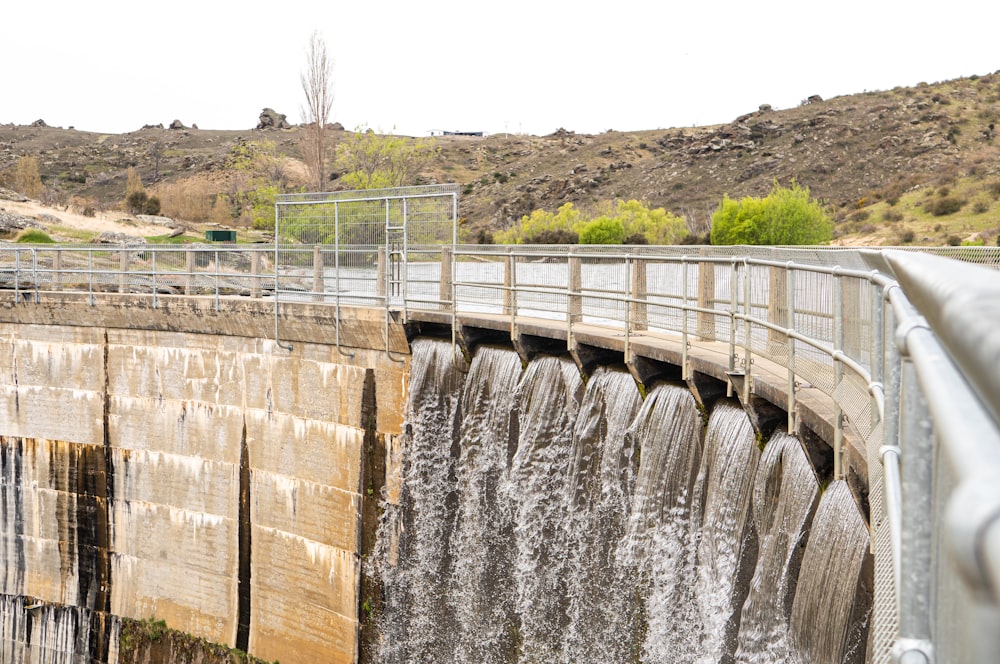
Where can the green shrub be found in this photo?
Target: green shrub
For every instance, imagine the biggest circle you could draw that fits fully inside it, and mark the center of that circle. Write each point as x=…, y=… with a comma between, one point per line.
x=152, y=206
x=953, y=240
x=603, y=230
x=786, y=216
x=947, y=205
x=34, y=236
x=135, y=202
x=892, y=215
x=980, y=207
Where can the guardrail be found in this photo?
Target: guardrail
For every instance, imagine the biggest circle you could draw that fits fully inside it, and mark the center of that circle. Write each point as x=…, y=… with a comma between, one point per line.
x=909, y=372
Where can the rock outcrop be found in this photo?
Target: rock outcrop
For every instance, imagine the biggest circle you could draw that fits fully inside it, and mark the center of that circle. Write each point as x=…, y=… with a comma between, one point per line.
x=271, y=119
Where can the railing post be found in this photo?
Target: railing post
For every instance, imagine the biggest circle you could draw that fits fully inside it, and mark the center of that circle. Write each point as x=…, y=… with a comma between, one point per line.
x=789, y=285
x=747, y=332
x=733, y=304
x=57, y=270
x=509, y=292
x=685, y=365
x=317, y=287
x=445, y=294
x=706, y=300
x=838, y=375
x=638, y=293
x=777, y=302
x=189, y=259
x=255, y=285
x=574, y=304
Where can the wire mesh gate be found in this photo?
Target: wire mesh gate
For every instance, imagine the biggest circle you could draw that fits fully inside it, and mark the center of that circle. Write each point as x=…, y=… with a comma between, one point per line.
x=378, y=247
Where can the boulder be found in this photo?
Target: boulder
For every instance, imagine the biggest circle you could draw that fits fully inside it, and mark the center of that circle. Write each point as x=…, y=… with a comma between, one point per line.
x=271, y=119
x=10, y=222
x=177, y=124
x=120, y=239
x=10, y=195
x=39, y=123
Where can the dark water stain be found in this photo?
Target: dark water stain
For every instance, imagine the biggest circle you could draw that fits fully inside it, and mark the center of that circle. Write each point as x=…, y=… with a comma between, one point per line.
x=245, y=543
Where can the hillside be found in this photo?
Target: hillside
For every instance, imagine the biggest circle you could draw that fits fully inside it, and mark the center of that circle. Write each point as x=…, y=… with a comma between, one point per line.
x=884, y=161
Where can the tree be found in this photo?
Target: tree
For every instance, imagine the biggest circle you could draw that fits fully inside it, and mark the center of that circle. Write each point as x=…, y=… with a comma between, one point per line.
x=786, y=216
x=317, y=84
x=377, y=161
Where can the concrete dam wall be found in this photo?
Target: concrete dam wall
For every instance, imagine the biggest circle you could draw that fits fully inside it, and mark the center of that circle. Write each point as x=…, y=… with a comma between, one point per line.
x=173, y=463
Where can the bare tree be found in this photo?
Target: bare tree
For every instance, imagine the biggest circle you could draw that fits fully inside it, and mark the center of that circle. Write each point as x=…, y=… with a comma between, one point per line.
x=317, y=84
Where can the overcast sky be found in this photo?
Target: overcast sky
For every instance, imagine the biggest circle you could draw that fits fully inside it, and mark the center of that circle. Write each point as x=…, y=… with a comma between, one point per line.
x=531, y=67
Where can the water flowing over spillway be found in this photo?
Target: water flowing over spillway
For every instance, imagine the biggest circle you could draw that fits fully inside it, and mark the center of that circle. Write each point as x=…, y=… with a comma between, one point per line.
x=544, y=519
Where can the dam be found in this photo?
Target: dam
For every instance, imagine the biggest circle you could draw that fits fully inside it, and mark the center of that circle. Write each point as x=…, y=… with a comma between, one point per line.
x=396, y=452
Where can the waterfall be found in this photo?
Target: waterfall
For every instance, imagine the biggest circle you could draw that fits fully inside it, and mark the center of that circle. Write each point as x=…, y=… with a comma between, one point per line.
x=604, y=620
x=722, y=502
x=483, y=594
x=784, y=499
x=414, y=535
x=834, y=584
x=547, y=401
x=662, y=540
x=547, y=520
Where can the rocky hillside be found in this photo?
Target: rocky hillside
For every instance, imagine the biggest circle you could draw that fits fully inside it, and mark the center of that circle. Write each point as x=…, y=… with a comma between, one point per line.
x=880, y=159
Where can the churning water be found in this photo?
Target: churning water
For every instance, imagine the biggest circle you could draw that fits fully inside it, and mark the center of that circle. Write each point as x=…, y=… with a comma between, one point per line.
x=542, y=519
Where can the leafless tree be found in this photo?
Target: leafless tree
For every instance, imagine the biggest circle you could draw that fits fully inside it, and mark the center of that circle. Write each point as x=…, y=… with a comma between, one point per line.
x=317, y=84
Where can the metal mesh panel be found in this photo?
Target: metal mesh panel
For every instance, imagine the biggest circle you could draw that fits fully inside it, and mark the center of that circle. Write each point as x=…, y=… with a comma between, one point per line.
x=885, y=619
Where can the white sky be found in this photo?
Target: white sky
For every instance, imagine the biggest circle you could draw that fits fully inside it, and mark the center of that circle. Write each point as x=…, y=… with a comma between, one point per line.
x=113, y=66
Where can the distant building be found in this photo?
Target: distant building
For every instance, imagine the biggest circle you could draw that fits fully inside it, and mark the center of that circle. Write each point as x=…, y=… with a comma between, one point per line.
x=443, y=132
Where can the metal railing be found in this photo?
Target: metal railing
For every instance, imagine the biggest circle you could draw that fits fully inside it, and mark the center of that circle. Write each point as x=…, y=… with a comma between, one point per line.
x=911, y=374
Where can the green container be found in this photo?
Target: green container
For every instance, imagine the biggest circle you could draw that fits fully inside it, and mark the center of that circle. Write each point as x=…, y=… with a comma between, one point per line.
x=220, y=236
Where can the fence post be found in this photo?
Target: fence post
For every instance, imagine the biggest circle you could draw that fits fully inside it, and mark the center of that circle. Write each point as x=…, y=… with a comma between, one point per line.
x=123, y=279
x=380, y=274
x=189, y=268
x=508, y=282
x=57, y=270
x=446, y=279
x=318, y=287
x=255, y=285
x=706, y=300
x=638, y=293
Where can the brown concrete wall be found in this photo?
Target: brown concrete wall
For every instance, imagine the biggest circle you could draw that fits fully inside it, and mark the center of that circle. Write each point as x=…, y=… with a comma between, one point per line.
x=136, y=441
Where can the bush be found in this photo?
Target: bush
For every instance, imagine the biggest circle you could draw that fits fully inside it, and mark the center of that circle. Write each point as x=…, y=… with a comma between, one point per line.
x=554, y=236
x=135, y=202
x=980, y=207
x=787, y=216
x=603, y=230
x=892, y=215
x=947, y=205
x=953, y=240
x=636, y=238
x=152, y=206
x=906, y=237
x=34, y=236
